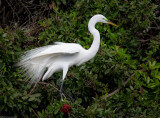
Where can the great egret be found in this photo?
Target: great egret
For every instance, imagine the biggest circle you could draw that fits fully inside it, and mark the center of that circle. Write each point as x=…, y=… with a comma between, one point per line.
x=41, y=63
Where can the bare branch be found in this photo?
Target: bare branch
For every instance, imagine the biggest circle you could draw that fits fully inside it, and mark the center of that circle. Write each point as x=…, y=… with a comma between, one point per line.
x=117, y=90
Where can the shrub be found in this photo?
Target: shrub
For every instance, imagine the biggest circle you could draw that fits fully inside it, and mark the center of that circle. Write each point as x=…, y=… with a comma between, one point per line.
x=127, y=64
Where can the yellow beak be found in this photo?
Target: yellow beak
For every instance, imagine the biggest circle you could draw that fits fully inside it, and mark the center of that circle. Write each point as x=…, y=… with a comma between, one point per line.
x=112, y=23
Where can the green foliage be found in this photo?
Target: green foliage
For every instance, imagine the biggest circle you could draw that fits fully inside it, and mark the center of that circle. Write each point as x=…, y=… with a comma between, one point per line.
x=131, y=51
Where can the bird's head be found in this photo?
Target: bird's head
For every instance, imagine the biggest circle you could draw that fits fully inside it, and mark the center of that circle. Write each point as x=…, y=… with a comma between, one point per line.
x=102, y=19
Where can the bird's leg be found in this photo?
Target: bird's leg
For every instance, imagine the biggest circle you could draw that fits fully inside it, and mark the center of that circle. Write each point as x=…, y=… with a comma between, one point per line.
x=58, y=81
x=68, y=96
x=61, y=89
x=64, y=75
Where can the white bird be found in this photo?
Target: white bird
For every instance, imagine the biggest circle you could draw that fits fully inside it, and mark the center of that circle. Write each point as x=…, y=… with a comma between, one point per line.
x=40, y=63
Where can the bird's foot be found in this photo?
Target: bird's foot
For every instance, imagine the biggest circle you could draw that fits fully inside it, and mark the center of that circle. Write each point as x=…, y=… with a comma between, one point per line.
x=63, y=94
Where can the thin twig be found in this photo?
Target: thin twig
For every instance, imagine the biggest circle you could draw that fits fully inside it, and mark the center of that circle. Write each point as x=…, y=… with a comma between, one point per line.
x=44, y=83
x=34, y=86
x=117, y=90
x=154, y=27
x=141, y=40
x=35, y=113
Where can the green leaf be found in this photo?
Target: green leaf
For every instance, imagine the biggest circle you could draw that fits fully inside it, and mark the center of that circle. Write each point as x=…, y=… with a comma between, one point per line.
x=31, y=99
x=25, y=97
x=148, y=80
x=157, y=76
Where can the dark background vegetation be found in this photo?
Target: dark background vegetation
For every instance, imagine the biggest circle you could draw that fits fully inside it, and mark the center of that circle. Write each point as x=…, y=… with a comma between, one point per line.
x=123, y=80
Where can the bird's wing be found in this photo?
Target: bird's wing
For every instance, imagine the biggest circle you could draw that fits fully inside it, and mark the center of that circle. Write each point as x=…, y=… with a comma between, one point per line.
x=35, y=62
x=62, y=48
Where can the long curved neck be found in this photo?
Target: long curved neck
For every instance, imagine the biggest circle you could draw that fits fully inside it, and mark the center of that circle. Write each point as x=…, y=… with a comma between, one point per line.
x=96, y=38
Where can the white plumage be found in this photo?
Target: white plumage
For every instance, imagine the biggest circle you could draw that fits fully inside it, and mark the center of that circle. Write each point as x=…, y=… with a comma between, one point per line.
x=52, y=57
x=41, y=63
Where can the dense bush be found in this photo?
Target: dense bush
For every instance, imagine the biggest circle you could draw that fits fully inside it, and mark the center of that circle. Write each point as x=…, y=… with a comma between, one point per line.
x=123, y=80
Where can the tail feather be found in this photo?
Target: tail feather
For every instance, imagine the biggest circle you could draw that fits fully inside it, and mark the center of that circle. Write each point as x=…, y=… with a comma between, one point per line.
x=32, y=71
x=35, y=68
